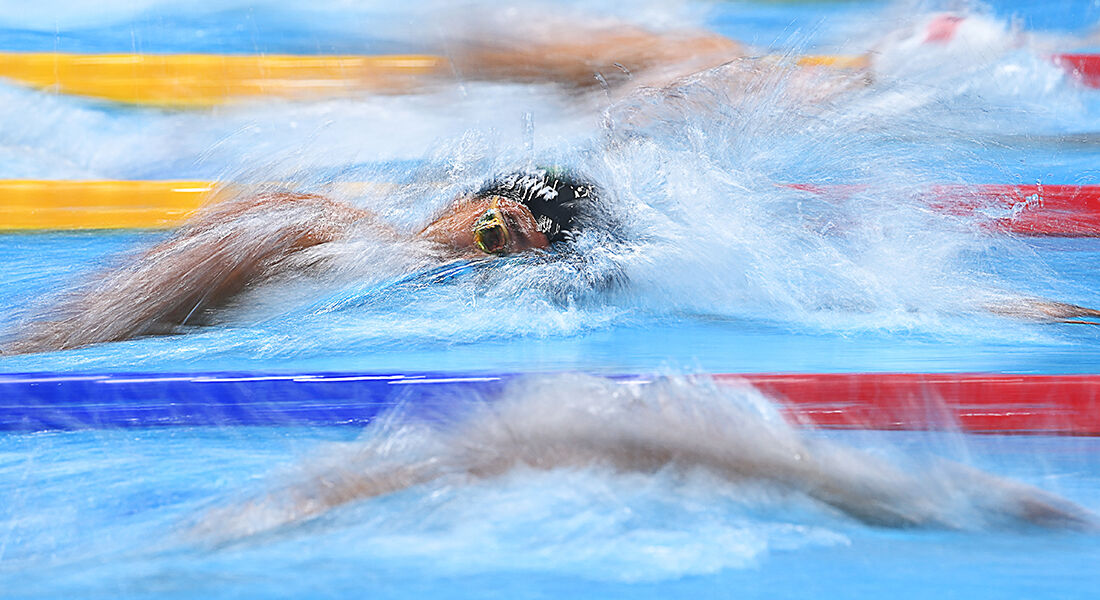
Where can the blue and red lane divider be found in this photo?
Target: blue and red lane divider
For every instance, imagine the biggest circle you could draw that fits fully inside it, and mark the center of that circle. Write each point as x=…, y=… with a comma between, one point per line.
x=977, y=403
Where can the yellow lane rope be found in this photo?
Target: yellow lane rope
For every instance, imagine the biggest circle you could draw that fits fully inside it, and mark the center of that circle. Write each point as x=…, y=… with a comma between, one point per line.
x=204, y=80
x=36, y=204
x=199, y=80
x=28, y=204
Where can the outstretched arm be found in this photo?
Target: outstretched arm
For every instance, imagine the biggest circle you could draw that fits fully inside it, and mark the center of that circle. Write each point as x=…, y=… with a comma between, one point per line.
x=203, y=265
x=1046, y=311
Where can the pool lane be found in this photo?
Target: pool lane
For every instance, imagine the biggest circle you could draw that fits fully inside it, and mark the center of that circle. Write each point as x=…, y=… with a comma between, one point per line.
x=32, y=266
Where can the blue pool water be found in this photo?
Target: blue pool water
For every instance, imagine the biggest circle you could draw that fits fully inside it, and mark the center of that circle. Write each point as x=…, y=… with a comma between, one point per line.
x=646, y=341
x=100, y=514
x=726, y=270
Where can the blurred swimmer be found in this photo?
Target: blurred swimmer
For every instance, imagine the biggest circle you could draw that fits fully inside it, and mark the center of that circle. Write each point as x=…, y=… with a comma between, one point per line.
x=235, y=244
x=671, y=425
x=583, y=53
x=238, y=244
x=586, y=52
x=617, y=58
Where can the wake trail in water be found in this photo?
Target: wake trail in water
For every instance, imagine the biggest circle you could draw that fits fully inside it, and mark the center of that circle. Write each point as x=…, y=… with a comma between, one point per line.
x=571, y=422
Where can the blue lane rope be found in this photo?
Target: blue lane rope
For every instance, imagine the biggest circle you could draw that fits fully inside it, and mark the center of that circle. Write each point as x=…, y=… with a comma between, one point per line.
x=47, y=402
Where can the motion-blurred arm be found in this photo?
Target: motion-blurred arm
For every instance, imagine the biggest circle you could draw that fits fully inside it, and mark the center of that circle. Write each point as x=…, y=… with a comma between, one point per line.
x=201, y=266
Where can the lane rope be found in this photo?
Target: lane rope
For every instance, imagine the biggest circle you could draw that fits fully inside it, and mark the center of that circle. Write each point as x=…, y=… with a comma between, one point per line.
x=206, y=80
x=976, y=403
x=1041, y=210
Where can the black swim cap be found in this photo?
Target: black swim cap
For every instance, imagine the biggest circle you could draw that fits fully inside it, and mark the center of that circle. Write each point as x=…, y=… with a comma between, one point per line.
x=553, y=197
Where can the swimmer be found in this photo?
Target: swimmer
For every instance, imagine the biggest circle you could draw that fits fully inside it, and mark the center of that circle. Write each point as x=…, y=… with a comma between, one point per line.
x=585, y=53
x=239, y=243
x=670, y=425
x=234, y=245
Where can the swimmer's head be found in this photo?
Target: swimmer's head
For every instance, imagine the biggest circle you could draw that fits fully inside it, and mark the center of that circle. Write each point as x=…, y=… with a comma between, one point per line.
x=492, y=231
x=504, y=227
x=555, y=199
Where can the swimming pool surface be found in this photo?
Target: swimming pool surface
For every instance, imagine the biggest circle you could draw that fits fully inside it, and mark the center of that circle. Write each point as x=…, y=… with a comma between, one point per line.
x=648, y=341
x=727, y=270
x=530, y=535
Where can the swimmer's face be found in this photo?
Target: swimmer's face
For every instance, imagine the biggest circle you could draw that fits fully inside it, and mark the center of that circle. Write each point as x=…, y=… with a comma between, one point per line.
x=492, y=225
x=506, y=227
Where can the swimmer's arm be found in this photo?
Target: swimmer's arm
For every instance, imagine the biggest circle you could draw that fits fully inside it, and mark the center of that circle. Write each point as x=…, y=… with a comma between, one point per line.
x=881, y=495
x=203, y=265
x=310, y=499
x=853, y=482
x=1045, y=311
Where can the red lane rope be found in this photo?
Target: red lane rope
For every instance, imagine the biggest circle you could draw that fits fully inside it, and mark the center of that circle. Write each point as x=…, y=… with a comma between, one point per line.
x=1040, y=210
x=980, y=403
x=1085, y=68
x=1056, y=210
